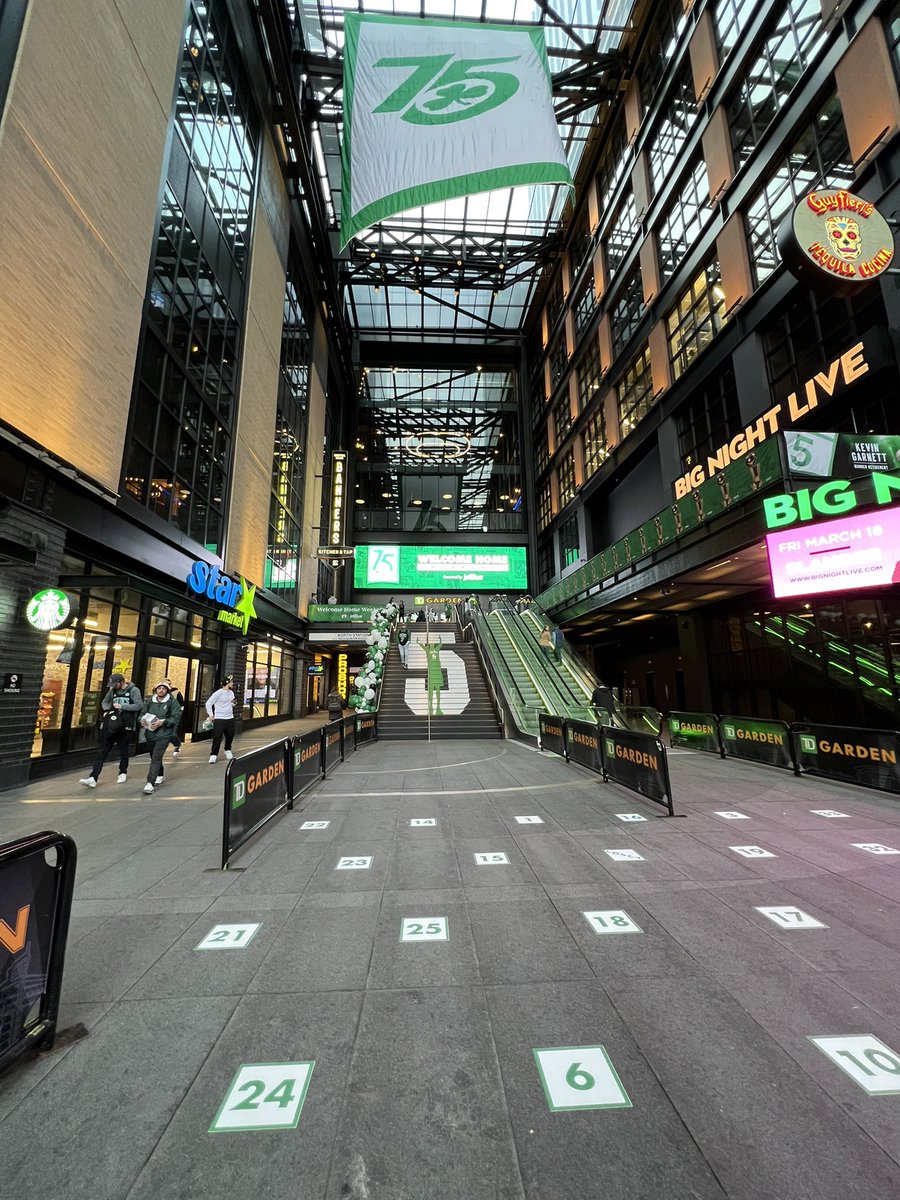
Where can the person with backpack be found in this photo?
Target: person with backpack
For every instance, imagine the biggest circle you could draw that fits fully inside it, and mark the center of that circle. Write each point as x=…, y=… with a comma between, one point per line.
x=160, y=717
x=118, y=710
x=220, y=707
x=403, y=645
x=176, y=732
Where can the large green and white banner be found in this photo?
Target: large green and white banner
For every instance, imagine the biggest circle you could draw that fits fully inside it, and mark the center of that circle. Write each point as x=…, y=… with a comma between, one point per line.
x=439, y=109
x=441, y=568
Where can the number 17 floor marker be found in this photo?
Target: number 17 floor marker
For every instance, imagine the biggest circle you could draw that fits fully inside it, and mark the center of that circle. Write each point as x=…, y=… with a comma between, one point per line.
x=264, y=1096
x=579, y=1077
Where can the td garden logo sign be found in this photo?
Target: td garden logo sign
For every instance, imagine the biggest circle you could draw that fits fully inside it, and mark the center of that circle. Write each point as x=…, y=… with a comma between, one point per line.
x=836, y=240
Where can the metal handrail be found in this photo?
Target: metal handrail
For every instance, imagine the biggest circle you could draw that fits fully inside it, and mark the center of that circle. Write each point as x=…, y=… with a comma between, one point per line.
x=487, y=667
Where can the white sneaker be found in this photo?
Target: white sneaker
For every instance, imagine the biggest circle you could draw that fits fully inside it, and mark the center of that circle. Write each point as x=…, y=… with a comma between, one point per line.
x=122, y=777
x=89, y=782
x=160, y=779
x=212, y=758
x=148, y=788
x=175, y=753
x=228, y=754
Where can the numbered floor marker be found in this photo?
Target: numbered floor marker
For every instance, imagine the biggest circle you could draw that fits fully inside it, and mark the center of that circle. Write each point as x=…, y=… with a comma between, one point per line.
x=624, y=855
x=753, y=851
x=733, y=816
x=791, y=918
x=420, y=822
x=612, y=921
x=315, y=825
x=354, y=864
x=874, y=848
x=530, y=820
x=490, y=860
x=868, y=1062
x=827, y=812
x=424, y=929
x=264, y=1096
x=227, y=937
x=631, y=816
x=579, y=1077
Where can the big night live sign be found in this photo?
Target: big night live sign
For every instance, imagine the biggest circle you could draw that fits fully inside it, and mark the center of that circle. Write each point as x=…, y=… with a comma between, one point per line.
x=236, y=599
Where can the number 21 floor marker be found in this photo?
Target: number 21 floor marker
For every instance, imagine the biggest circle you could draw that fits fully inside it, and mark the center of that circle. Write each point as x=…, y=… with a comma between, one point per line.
x=579, y=1077
x=264, y=1096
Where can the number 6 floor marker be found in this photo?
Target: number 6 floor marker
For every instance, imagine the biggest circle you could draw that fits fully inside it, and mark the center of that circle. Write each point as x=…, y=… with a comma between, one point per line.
x=264, y=1096
x=579, y=1077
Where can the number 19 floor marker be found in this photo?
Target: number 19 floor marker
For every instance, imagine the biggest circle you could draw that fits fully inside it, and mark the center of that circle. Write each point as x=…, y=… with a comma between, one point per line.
x=579, y=1077
x=264, y=1096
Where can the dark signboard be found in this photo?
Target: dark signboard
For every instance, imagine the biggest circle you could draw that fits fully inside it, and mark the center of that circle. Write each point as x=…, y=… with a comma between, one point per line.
x=12, y=684
x=840, y=455
x=256, y=788
x=757, y=740
x=306, y=761
x=698, y=731
x=638, y=762
x=366, y=728
x=349, y=735
x=552, y=734
x=332, y=743
x=583, y=745
x=870, y=757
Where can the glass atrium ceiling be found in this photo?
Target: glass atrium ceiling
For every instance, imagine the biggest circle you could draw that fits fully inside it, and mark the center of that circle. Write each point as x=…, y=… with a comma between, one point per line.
x=464, y=269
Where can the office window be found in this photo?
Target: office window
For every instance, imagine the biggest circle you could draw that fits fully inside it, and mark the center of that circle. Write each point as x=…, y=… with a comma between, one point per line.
x=288, y=458
x=12, y=21
x=545, y=506
x=559, y=357
x=562, y=418
x=696, y=318
x=546, y=563
x=595, y=445
x=565, y=477
x=892, y=30
x=791, y=43
x=729, y=18
x=612, y=168
x=622, y=233
x=628, y=311
x=185, y=391
x=820, y=155
x=709, y=418
x=569, y=544
x=585, y=304
x=581, y=242
x=687, y=215
x=555, y=300
x=634, y=393
x=588, y=375
x=541, y=450
x=669, y=19
x=679, y=114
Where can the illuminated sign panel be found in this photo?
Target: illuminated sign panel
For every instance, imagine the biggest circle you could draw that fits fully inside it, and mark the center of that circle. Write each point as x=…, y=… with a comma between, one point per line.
x=836, y=240
x=824, y=455
x=835, y=556
x=338, y=476
x=441, y=568
x=828, y=499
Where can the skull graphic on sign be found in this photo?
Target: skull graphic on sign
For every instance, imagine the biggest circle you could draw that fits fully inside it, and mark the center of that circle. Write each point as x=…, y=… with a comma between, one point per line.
x=843, y=233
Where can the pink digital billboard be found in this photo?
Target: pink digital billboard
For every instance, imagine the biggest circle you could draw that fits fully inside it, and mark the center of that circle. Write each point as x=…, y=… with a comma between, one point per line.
x=856, y=551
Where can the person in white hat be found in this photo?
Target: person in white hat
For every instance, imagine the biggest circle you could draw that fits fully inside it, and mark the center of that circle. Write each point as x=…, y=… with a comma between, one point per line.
x=160, y=717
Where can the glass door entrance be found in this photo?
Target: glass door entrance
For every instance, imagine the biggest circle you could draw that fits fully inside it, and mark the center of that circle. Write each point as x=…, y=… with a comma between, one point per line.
x=192, y=677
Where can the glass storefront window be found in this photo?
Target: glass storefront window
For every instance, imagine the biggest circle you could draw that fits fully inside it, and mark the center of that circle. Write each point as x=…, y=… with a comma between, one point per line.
x=269, y=681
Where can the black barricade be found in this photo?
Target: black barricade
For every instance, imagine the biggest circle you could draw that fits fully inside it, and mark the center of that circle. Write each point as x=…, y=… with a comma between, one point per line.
x=552, y=733
x=332, y=744
x=870, y=757
x=349, y=735
x=256, y=788
x=306, y=761
x=366, y=728
x=757, y=740
x=696, y=730
x=637, y=761
x=583, y=745
x=35, y=902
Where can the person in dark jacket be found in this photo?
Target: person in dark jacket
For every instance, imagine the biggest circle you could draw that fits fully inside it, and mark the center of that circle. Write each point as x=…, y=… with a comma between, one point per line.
x=176, y=733
x=335, y=705
x=161, y=715
x=118, y=710
x=403, y=645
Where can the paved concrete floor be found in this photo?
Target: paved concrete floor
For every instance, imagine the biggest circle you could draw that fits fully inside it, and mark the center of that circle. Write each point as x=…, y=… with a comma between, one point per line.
x=425, y=1084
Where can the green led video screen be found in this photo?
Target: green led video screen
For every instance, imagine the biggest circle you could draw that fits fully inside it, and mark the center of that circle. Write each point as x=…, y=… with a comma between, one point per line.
x=441, y=568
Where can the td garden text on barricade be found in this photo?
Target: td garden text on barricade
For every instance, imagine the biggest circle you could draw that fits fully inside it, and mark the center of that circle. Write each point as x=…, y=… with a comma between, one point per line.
x=641, y=757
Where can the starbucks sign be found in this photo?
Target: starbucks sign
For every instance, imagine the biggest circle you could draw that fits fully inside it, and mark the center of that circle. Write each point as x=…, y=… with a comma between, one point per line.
x=48, y=609
x=836, y=240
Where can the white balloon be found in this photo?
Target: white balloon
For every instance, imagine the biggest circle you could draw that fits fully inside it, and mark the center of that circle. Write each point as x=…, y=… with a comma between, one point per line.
x=370, y=693
x=370, y=640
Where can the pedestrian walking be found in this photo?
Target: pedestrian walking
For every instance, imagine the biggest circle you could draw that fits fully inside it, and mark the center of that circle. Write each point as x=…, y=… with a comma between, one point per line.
x=558, y=640
x=545, y=641
x=403, y=645
x=161, y=715
x=176, y=732
x=220, y=706
x=401, y=611
x=118, y=714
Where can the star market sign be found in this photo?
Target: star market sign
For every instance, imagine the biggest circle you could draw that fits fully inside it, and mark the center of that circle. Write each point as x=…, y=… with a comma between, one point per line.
x=836, y=240
x=236, y=599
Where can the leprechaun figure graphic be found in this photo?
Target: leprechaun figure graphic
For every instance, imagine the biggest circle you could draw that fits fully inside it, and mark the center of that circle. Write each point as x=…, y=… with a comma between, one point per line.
x=435, y=678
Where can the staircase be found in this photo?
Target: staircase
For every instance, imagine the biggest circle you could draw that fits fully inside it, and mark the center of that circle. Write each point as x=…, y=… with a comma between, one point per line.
x=464, y=700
